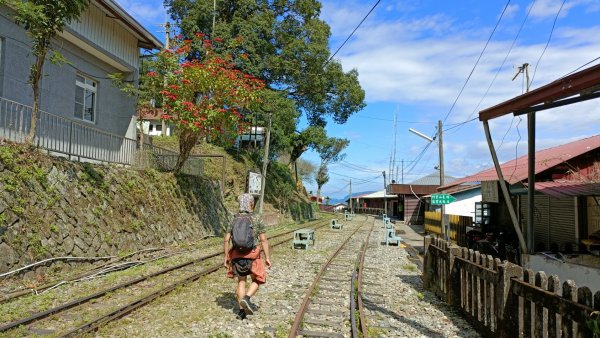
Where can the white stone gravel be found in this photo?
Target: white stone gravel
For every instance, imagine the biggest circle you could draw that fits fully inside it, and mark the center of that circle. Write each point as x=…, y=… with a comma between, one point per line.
x=394, y=298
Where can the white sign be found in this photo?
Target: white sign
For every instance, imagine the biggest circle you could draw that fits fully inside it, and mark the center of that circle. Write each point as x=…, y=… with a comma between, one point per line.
x=254, y=183
x=489, y=191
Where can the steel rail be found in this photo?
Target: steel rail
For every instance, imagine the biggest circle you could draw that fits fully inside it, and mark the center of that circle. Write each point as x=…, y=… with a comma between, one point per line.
x=361, y=265
x=304, y=306
x=44, y=314
x=126, y=309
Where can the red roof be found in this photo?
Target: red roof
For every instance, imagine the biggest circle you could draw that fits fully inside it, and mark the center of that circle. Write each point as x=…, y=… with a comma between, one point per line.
x=516, y=170
x=561, y=189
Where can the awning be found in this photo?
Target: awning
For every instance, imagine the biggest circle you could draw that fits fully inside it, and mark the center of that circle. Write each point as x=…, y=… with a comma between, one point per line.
x=562, y=189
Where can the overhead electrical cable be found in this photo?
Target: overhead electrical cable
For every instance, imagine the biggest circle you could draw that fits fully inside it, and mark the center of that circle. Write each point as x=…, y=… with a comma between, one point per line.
x=547, y=42
x=499, y=69
x=355, y=29
x=578, y=68
x=477, y=62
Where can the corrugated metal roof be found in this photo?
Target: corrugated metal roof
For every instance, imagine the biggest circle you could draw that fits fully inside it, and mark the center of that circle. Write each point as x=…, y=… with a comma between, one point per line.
x=561, y=189
x=432, y=179
x=516, y=170
x=377, y=194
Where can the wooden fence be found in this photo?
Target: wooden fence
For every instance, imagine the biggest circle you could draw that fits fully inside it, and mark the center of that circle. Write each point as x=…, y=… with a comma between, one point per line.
x=458, y=226
x=502, y=299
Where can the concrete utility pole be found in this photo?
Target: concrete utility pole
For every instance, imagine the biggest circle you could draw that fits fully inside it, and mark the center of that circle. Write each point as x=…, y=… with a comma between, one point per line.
x=384, y=194
x=350, y=201
x=163, y=130
x=442, y=175
x=264, y=169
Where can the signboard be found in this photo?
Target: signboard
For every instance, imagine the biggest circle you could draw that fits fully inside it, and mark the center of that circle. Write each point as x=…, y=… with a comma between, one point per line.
x=489, y=191
x=439, y=199
x=254, y=183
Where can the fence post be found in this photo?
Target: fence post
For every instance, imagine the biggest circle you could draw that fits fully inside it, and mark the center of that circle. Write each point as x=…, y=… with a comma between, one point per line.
x=426, y=277
x=507, y=303
x=453, y=282
x=70, y=139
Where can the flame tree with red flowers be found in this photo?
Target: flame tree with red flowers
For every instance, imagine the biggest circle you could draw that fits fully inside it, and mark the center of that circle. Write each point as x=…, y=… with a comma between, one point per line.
x=202, y=93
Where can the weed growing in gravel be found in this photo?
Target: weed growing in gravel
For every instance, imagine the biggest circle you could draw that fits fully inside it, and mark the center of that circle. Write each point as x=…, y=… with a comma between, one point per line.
x=220, y=335
x=410, y=267
x=420, y=296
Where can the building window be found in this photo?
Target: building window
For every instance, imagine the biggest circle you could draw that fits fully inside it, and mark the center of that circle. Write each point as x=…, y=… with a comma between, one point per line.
x=159, y=127
x=85, y=99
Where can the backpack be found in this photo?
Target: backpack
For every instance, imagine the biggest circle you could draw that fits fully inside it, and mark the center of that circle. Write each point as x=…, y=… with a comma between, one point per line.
x=242, y=233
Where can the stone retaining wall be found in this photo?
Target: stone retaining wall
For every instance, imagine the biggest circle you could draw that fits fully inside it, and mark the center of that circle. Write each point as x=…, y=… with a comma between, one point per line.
x=51, y=207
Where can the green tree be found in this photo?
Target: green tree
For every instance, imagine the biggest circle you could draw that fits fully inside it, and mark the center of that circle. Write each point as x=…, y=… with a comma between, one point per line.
x=330, y=151
x=285, y=44
x=43, y=20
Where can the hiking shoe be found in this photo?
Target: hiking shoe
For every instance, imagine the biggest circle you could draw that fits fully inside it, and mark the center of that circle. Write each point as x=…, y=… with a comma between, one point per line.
x=241, y=314
x=245, y=304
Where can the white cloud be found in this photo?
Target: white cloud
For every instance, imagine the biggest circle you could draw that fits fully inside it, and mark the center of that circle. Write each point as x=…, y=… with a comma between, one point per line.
x=543, y=9
x=511, y=11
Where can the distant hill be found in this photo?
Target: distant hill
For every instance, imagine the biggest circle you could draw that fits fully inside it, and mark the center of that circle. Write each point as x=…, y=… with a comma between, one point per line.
x=343, y=199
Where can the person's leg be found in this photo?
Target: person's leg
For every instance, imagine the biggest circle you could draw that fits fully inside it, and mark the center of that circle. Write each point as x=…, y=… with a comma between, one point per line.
x=252, y=289
x=241, y=289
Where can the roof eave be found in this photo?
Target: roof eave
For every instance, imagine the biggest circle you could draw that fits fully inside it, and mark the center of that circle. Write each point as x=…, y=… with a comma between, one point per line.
x=585, y=83
x=145, y=38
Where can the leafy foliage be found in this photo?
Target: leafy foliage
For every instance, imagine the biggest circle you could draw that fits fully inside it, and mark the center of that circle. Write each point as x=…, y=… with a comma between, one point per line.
x=43, y=20
x=285, y=44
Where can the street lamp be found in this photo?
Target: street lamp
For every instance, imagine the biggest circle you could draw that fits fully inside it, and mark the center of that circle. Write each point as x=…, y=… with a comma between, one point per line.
x=445, y=227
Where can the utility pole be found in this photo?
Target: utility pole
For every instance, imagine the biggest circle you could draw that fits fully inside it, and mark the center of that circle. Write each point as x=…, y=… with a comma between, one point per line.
x=531, y=161
x=384, y=194
x=212, y=34
x=264, y=169
x=350, y=202
x=441, y=148
x=163, y=130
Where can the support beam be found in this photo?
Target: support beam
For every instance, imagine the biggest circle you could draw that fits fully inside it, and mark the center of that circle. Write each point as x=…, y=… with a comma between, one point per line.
x=511, y=209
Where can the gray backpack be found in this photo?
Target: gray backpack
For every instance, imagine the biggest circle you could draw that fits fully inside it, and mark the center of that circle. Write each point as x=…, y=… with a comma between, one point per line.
x=242, y=233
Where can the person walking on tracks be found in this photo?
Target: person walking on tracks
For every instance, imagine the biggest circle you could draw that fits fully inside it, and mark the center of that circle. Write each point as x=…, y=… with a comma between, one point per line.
x=247, y=235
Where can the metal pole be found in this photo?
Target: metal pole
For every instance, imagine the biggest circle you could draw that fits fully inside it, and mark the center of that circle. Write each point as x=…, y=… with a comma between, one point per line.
x=530, y=168
x=264, y=171
x=163, y=124
x=384, y=194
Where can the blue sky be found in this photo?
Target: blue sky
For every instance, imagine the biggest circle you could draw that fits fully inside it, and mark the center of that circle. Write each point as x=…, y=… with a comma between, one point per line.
x=413, y=58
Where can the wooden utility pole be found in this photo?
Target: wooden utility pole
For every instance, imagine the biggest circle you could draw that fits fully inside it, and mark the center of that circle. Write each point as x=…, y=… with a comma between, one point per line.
x=264, y=169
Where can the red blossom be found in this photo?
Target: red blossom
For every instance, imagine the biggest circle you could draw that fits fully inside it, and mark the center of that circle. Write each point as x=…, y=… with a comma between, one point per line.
x=173, y=86
x=151, y=74
x=218, y=40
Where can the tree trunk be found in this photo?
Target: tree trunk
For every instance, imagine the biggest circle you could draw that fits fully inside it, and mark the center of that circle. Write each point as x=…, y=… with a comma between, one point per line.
x=318, y=193
x=36, y=74
x=187, y=141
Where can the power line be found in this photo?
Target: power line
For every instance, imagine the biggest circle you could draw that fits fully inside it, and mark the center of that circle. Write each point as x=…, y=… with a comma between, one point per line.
x=360, y=167
x=356, y=28
x=501, y=65
x=547, y=42
x=578, y=68
x=477, y=62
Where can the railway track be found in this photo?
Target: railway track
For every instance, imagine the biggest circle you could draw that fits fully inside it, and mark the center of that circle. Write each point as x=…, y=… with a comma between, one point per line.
x=72, y=314
x=332, y=305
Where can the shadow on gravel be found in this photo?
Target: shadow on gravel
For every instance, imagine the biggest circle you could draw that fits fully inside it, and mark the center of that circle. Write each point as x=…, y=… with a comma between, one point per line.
x=228, y=301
